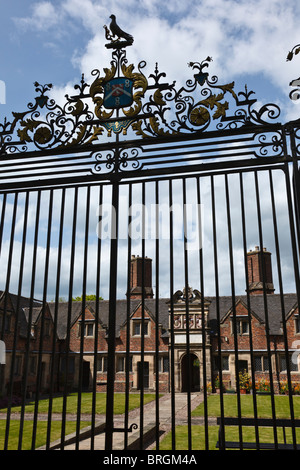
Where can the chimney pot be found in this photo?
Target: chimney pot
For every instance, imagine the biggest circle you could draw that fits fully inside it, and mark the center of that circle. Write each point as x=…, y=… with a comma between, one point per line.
x=259, y=266
x=140, y=283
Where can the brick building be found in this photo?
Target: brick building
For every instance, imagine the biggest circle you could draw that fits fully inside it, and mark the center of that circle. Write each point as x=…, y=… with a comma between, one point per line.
x=22, y=325
x=251, y=330
x=224, y=332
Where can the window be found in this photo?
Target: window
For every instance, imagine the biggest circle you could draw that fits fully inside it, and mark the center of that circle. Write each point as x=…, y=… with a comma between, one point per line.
x=297, y=323
x=32, y=364
x=7, y=323
x=88, y=328
x=261, y=363
x=18, y=363
x=102, y=364
x=120, y=364
x=224, y=362
x=163, y=364
x=242, y=327
x=283, y=366
x=47, y=327
x=71, y=364
x=137, y=327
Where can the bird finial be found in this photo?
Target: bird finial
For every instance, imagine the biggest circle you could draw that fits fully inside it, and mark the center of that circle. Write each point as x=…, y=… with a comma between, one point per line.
x=114, y=31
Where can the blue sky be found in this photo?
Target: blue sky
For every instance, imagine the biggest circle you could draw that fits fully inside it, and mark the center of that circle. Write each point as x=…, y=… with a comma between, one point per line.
x=54, y=41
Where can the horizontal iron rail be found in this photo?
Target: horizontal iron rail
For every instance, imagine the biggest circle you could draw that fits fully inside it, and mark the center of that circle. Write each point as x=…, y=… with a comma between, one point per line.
x=126, y=176
x=154, y=141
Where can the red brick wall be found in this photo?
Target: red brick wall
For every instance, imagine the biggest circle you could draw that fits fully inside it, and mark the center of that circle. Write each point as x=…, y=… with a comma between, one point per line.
x=259, y=342
x=120, y=347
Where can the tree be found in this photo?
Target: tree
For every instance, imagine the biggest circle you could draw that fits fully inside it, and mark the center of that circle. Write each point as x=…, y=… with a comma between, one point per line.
x=87, y=297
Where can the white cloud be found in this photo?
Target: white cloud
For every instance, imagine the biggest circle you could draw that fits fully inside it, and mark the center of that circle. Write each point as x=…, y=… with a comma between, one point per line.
x=243, y=37
x=44, y=16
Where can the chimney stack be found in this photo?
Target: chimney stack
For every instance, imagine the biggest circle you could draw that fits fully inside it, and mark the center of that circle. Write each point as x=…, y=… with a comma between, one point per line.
x=136, y=278
x=257, y=261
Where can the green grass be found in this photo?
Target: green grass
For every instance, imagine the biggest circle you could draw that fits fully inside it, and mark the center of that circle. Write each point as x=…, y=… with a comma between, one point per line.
x=41, y=434
x=264, y=410
x=198, y=438
x=57, y=407
x=86, y=403
x=231, y=434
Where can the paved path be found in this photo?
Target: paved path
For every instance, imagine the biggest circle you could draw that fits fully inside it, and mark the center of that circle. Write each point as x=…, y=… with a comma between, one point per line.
x=149, y=419
x=165, y=420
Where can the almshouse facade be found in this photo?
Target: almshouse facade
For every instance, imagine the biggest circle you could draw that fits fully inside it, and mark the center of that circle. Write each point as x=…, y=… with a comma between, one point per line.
x=67, y=342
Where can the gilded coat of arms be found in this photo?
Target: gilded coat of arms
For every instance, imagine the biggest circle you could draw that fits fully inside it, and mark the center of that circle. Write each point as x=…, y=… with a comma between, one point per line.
x=118, y=93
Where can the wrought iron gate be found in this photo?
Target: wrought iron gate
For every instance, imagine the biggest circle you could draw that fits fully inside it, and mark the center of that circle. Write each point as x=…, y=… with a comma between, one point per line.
x=169, y=204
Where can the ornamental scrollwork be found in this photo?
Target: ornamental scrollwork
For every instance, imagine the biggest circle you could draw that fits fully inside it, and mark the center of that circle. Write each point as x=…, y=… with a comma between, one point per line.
x=123, y=101
x=269, y=144
x=295, y=93
x=114, y=161
x=46, y=125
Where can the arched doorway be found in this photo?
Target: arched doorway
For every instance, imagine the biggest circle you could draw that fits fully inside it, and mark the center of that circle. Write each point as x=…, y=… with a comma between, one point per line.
x=190, y=373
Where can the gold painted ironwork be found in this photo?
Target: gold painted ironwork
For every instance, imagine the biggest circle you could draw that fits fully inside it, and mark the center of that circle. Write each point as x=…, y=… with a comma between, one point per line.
x=157, y=108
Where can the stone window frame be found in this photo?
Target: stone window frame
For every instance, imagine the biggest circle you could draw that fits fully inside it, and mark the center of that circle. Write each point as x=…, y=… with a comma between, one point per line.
x=86, y=324
x=138, y=322
x=240, y=320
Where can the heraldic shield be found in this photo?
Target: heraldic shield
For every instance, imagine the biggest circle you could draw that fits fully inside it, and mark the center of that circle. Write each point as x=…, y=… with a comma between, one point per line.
x=118, y=93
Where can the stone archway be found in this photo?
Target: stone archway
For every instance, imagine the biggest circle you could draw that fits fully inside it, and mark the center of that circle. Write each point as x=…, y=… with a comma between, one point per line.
x=190, y=364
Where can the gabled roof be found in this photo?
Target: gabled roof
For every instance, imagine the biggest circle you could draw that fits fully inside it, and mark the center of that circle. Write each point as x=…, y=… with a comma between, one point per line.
x=22, y=304
x=223, y=303
x=75, y=311
x=240, y=301
x=257, y=306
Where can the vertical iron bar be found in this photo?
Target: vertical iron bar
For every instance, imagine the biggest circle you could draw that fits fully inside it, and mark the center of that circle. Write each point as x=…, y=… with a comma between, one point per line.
x=17, y=318
x=128, y=303
x=232, y=279
x=171, y=316
x=143, y=323
x=94, y=400
x=28, y=336
x=40, y=362
x=112, y=317
x=187, y=315
x=54, y=363
x=19, y=293
x=292, y=233
x=203, y=314
x=249, y=308
x=285, y=337
x=2, y=321
x=3, y=210
x=69, y=316
x=157, y=314
x=266, y=308
x=220, y=372
x=8, y=274
x=295, y=251
x=296, y=183
x=82, y=333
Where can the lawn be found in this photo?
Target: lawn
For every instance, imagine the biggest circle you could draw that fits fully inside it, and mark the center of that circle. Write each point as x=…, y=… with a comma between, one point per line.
x=264, y=410
x=86, y=403
x=57, y=407
x=231, y=434
x=41, y=434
